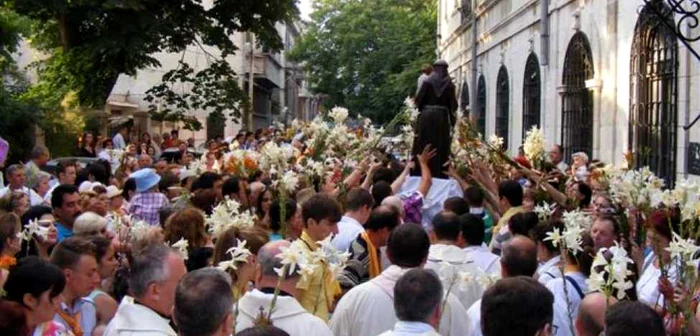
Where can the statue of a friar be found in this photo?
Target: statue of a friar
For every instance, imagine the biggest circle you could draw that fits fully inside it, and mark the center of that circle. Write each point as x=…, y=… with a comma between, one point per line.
x=437, y=102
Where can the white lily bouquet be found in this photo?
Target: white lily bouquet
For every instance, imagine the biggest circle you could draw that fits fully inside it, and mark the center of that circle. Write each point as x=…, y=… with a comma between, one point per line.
x=534, y=147
x=570, y=239
x=610, y=273
x=32, y=231
x=228, y=214
x=239, y=255
x=296, y=260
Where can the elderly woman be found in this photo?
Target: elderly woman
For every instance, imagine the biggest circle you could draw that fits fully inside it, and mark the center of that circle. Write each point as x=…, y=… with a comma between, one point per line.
x=90, y=224
x=93, y=197
x=41, y=185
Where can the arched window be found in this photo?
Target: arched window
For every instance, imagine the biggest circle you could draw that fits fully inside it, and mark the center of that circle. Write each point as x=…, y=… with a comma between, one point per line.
x=653, y=116
x=502, y=105
x=464, y=96
x=577, y=100
x=216, y=122
x=531, y=94
x=481, y=100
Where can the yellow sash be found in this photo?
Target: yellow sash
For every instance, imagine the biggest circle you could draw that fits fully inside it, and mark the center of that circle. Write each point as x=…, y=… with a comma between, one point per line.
x=374, y=263
x=72, y=321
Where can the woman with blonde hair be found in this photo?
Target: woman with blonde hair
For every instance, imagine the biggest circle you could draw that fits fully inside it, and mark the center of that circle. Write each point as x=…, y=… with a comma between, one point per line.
x=244, y=274
x=188, y=224
x=90, y=224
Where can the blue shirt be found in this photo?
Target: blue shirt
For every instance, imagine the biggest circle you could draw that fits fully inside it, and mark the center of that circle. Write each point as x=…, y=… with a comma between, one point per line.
x=63, y=232
x=88, y=315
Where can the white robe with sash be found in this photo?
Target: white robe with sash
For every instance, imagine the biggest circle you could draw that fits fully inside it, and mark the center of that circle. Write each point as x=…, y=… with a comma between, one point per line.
x=368, y=309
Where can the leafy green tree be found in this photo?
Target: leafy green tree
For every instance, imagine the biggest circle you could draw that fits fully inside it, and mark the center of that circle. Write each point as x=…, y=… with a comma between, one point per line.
x=366, y=55
x=91, y=42
x=14, y=114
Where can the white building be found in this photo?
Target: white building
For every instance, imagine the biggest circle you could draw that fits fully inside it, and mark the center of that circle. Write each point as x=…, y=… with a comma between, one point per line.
x=279, y=93
x=607, y=77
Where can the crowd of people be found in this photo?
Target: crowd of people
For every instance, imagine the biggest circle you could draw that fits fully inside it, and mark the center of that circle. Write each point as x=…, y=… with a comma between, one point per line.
x=140, y=242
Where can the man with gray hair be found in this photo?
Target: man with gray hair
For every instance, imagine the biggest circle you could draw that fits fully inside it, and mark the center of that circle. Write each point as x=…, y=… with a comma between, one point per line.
x=17, y=180
x=417, y=298
x=154, y=275
x=38, y=158
x=288, y=315
x=204, y=290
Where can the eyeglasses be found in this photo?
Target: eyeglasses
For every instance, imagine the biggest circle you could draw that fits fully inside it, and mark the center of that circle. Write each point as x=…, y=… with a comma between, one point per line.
x=553, y=329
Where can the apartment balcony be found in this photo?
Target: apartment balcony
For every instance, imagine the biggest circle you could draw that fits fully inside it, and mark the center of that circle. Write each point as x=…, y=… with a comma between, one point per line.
x=267, y=71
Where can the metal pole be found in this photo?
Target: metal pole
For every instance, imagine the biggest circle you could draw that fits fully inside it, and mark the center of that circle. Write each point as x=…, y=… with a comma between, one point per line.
x=251, y=82
x=474, y=102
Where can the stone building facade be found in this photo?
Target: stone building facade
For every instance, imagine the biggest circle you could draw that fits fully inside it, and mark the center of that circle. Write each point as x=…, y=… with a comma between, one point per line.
x=600, y=76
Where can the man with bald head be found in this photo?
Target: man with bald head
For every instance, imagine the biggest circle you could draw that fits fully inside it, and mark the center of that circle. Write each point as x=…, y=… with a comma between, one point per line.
x=518, y=258
x=288, y=315
x=591, y=314
x=145, y=161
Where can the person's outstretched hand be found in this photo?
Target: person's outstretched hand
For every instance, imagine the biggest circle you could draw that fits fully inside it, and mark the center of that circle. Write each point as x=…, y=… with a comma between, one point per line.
x=427, y=154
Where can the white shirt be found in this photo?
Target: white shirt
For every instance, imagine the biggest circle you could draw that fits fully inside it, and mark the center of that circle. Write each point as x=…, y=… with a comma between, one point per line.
x=289, y=315
x=647, y=286
x=118, y=141
x=549, y=270
x=561, y=310
x=474, y=314
x=484, y=259
x=368, y=309
x=405, y=328
x=439, y=257
x=348, y=230
x=34, y=198
x=137, y=320
x=47, y=197
x=562, y=166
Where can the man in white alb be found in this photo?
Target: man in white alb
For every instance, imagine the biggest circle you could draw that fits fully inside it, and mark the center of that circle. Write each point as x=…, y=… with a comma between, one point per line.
x=368, y=309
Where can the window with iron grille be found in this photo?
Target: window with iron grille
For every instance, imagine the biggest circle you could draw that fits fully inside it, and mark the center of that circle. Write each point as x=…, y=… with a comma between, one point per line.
x=531, y=94
x=653, y=116
x=502, y=105
x=481, y=103
x=464, y=97
x=577, y=100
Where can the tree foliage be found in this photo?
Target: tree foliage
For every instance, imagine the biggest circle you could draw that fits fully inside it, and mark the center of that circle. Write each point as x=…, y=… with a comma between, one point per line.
x=16, y=117
x=91, y=42
x=366, y=55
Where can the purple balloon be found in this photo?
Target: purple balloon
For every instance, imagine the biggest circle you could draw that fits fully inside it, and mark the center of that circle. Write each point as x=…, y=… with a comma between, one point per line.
x=4, y=149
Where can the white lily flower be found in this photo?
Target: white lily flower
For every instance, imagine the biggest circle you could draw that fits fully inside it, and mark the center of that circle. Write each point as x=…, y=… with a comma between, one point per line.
x=181, y=246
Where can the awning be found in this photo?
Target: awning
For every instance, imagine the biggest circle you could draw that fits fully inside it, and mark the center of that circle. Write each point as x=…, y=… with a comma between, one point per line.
x=119, y=120
x=122, y=104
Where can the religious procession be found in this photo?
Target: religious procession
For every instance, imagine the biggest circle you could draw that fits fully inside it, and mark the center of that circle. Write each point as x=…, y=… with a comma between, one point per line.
x=417, y=227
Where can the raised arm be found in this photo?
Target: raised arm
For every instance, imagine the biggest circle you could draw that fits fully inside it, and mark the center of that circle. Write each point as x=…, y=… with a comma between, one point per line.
x=452, y=172
x=426, y=179
x=557, y=195
x=354, y=178
x=367, y=183
x=402, y=178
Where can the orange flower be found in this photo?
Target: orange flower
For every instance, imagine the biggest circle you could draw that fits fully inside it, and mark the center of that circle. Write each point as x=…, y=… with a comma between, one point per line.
x=7, y=261
x=249, y=163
